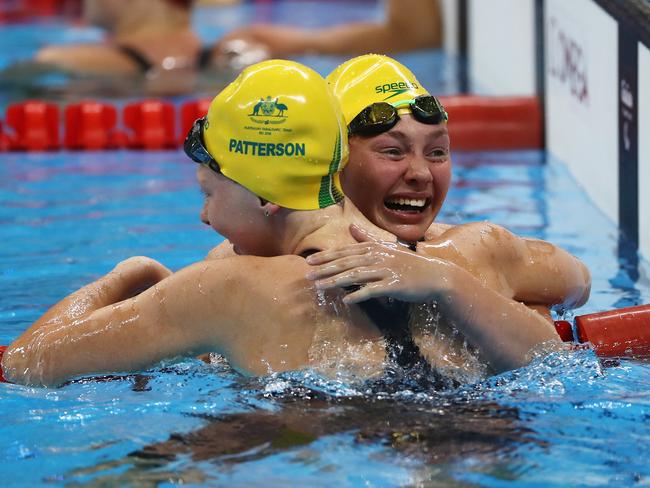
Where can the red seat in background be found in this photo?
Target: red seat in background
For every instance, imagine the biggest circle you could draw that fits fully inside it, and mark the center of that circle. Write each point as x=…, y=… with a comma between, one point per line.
x=190, y=111
x=91, y=125
x=35, y=126
x=152, y=125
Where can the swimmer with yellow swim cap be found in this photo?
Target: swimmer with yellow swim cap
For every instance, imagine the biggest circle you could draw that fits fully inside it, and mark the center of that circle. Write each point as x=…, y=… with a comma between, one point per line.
x=269, y=152
x=401, y=171
x=287, y=148
x=398, y=176
x=282, y=139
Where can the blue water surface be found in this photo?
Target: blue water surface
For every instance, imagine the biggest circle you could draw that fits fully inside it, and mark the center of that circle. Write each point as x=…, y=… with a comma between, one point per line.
x=565, y=420
x=18, y=42
x=66, y=218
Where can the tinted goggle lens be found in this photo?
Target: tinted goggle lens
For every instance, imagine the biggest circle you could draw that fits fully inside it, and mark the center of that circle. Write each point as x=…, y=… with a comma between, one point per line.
x=194, y=147
x=382, y=116
x=429, y=110
x=373, y=119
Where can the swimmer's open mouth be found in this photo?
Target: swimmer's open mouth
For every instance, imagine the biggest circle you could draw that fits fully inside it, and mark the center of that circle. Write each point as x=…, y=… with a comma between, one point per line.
x=413, y=205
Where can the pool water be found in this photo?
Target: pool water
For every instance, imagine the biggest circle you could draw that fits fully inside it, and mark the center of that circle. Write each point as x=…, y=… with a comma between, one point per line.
x=434, y=69
x=67, y=217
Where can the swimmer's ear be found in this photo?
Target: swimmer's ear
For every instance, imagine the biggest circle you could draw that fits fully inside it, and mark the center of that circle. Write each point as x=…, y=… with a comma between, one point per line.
x=269, y=208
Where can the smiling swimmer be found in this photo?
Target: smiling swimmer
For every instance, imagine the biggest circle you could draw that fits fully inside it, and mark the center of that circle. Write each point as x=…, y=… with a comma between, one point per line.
x=258, y=309
x=400, y=163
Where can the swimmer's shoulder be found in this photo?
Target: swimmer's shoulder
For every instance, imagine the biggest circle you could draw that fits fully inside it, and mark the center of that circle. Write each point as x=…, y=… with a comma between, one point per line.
x=243, y=268
x=480, y=228
x=327, y=237
x=227, y=250
x=223, y=250
x=477, y=241
x=436, y=229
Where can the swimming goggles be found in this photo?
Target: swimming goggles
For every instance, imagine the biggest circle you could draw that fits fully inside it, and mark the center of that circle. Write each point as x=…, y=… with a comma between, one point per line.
x=195, y=149
x=382, y=116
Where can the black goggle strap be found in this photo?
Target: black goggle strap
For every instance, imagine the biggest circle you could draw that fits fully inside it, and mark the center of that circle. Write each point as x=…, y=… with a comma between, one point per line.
x=195, y=149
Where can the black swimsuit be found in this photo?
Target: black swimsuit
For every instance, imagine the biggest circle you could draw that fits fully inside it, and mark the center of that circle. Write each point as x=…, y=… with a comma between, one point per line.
x=391, y=317
x=145, y=65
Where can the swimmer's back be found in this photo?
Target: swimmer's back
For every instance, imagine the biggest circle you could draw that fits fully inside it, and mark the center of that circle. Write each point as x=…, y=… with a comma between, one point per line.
x=274, y=320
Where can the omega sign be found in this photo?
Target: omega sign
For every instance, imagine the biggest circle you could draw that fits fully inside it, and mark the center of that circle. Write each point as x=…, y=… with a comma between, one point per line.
x=567, y=61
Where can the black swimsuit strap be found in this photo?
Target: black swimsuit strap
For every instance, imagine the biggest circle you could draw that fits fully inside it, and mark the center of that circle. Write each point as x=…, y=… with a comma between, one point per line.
x=391, y=318
x=392, y=321
x=137, y=57
x=204, y=59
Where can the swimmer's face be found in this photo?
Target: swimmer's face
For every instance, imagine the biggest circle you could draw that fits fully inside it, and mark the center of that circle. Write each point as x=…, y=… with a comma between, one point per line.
x=400, y=178
x=235, y=213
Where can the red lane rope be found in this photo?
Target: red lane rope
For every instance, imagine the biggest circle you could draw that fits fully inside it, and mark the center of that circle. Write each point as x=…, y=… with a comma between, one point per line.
x=494, y=123
x=476, y=123
x=624, y=332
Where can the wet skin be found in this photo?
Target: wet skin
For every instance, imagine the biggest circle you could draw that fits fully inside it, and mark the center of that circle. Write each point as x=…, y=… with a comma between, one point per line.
x=399, y=179
x=217, y=305
x=229, y=209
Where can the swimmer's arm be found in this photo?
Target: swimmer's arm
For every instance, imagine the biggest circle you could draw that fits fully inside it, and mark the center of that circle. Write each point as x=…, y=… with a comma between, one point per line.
x=409, y=24
x=197, y=309
x=91, y=59
x=69, y=60
x=25, y=72
x=548, y=274
x=128, y=279
x=503, y=330
x=531, y=271
x=537, y=271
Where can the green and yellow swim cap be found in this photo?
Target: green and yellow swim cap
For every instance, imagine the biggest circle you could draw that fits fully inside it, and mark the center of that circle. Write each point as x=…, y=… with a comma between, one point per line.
x=278, y=131
x=371, y=78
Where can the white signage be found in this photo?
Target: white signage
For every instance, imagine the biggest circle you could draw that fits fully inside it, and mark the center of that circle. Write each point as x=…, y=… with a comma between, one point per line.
x=582, y=96
x=644, y=151
x=502, y=52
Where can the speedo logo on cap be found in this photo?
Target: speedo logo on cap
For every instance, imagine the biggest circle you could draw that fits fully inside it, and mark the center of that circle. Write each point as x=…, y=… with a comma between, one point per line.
x=395, y=88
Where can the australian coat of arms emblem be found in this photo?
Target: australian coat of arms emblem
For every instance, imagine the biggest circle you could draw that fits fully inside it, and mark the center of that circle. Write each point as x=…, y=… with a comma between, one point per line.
x=269, y=111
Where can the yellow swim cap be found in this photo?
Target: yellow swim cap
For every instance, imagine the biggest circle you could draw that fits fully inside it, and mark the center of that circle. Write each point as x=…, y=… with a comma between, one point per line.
x=372, y=78
x=278, y=131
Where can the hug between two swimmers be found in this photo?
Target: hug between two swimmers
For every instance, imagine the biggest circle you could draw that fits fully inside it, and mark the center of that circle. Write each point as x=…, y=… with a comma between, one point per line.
x=311, y=279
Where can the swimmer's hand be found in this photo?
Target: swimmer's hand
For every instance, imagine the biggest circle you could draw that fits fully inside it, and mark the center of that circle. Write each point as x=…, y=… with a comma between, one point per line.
x=383, y=269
